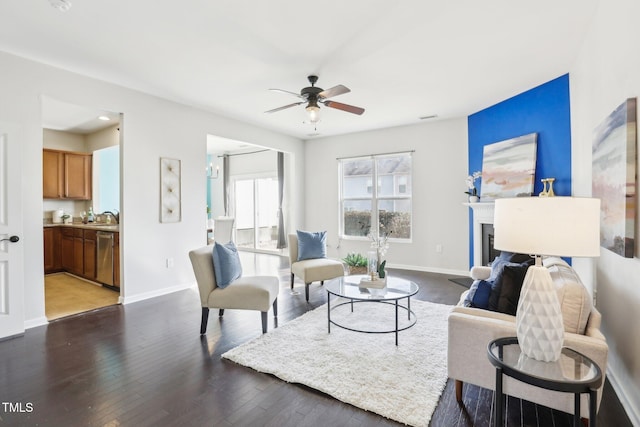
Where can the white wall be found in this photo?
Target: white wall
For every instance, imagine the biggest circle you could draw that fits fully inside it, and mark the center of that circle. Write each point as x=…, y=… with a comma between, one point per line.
x=152, y=128
x=439, y=170
x=66, y=141
x=107, y=137
x=606, y=72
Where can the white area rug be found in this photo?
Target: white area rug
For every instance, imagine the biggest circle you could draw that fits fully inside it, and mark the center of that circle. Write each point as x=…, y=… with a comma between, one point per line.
x=402, y=383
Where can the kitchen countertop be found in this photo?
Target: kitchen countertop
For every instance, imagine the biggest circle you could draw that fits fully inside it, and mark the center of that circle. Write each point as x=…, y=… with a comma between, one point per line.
x=91, y=226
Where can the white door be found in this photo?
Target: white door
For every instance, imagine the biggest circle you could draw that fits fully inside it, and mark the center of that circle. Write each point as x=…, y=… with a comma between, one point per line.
x=11, y=251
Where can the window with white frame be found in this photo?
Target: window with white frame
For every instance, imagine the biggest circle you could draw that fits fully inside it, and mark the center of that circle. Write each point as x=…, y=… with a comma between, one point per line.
x=384, y=208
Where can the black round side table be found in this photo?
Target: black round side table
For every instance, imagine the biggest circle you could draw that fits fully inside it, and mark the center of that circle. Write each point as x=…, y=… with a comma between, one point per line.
x=572, y=373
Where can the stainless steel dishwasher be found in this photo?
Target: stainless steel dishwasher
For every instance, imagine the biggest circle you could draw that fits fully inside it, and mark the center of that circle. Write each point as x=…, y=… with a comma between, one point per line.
x=105, y=257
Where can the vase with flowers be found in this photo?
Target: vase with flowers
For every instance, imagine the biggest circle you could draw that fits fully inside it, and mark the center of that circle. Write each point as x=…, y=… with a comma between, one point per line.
x=472, y=191
x=380, y=245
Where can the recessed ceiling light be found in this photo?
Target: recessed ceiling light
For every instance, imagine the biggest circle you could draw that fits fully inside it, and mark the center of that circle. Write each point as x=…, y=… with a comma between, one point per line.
x=104, y=118
x=61, y=5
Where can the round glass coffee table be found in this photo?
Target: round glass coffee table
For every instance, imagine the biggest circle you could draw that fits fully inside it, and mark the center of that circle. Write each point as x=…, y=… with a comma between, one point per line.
x=349, y=287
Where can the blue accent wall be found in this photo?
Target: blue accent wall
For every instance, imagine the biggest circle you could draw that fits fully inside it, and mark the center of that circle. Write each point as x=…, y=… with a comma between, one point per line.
x=544, y=110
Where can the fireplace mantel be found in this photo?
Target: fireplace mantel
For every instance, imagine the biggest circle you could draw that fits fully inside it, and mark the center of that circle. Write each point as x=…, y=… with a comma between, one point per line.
x=482, y=214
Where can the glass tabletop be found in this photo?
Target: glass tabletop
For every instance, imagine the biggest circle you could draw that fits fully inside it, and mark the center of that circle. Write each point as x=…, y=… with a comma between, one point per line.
x=572, y=371
x=349, y=287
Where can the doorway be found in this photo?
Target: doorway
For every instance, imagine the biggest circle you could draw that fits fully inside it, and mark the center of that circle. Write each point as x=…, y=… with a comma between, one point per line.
x=81, y=149
x=256, y=207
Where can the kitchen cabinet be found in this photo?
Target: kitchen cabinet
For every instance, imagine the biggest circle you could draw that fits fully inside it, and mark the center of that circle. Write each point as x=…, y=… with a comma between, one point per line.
x=72, y=250
x=52, y=174
x=89, y=254
x=52, y=250
x=66, y=175
x=75, y=250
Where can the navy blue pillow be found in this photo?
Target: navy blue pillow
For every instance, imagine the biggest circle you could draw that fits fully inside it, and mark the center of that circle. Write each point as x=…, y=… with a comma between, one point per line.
x=499, y=279
x=515, y=257
x=481, y=296
x=226, y=264
x=512, y=279
x=311, y=245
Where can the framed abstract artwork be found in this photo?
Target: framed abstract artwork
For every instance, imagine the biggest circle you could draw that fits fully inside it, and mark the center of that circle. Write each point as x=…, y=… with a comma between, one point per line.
x=614, y=178
x=170, y=202
x=508, y=168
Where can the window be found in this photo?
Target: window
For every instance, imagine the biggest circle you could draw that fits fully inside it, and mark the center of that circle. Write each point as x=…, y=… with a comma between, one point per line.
x=385, y=207
x=106, y=179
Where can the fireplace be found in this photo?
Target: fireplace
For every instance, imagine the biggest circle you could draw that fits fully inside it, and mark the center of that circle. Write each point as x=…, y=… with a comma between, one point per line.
x=483, y=251
x=489, y=253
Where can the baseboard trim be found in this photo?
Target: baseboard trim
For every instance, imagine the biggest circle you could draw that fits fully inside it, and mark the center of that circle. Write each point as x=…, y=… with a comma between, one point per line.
x=618, y=386
x=32, y=323
x=147, y=295
x=430, y=269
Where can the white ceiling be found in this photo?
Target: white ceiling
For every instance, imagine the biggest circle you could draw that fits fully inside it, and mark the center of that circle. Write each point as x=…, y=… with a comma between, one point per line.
x=401, y=59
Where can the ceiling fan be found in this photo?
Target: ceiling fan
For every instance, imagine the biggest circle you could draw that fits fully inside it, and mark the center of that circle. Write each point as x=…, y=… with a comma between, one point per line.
x=313, y=95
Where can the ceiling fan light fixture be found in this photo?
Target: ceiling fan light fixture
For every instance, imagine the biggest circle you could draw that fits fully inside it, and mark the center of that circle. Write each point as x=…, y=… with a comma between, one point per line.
x=314, y=111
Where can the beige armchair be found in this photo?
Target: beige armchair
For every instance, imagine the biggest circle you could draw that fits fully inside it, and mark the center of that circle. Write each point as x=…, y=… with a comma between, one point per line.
x=312, y=270
x=246, y=293
x=471, y=329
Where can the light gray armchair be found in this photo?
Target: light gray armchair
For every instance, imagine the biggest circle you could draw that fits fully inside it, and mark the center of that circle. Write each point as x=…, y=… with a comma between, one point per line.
x=246, y=293
x=312, y=270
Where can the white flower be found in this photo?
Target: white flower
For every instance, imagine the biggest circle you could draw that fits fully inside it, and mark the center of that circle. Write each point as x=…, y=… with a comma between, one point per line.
x=471, y=179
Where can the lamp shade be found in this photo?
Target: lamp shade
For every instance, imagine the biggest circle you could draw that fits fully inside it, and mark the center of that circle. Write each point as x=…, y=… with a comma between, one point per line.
x=554, y=226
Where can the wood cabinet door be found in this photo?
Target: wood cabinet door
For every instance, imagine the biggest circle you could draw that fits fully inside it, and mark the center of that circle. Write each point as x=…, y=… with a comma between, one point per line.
x=78, y=252
x=66, y=250
x=77, y=176
x=52, y=249
x=48, y=250
x=52, y=174
x=89, y=247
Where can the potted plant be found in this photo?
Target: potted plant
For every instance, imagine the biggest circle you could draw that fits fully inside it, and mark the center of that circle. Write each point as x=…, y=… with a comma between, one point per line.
x=357, y=263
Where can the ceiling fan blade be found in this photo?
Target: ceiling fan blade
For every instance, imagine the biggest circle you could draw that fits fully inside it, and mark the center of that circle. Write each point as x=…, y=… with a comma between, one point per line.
x=284, y=107
x=334, y=91
x=297, y=95
x=344, y=107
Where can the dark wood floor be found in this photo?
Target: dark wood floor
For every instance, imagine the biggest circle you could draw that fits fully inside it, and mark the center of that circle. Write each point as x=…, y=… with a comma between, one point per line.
x=145, y=364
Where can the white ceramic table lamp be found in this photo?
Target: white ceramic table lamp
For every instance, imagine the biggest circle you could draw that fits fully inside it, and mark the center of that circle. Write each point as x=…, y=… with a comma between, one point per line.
x=553, y=226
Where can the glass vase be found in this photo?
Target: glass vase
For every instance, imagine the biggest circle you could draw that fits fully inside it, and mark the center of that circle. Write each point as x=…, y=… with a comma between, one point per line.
x=372, y=264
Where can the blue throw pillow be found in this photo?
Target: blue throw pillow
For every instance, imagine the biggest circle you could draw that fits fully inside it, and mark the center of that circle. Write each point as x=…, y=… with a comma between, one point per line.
x=481, y=296
x=311, y=245
x=226, y=264
x=478, y=295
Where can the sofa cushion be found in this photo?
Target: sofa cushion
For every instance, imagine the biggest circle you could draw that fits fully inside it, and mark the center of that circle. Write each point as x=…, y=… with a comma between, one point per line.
x=226, y=264
x=311, y=245
x=575, y=301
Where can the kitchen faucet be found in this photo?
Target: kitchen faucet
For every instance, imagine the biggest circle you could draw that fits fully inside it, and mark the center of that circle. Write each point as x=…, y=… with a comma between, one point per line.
x=115, y=216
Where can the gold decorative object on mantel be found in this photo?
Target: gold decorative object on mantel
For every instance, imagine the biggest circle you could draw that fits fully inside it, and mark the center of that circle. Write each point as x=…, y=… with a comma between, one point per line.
x=545, y=192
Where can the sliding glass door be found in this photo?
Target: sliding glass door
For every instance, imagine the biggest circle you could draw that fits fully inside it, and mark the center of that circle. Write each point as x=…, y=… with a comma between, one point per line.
x=256, y=211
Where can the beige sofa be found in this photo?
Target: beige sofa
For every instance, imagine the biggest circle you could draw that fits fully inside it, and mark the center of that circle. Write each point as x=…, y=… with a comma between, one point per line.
x=471, y=329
